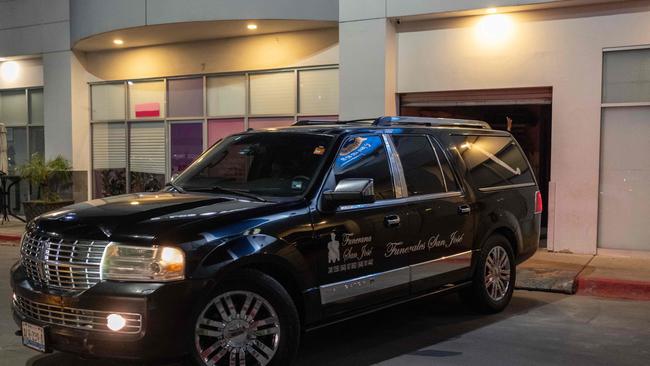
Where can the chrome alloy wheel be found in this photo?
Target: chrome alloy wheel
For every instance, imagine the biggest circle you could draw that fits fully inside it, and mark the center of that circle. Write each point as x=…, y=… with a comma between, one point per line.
x=497, y=273
x=237, y=328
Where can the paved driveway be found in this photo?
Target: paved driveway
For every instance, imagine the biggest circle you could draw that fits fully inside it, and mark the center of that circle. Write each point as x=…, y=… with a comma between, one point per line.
x=537, y=329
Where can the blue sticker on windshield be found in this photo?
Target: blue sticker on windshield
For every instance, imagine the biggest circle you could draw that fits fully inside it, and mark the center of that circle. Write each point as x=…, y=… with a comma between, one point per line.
x=356, y=149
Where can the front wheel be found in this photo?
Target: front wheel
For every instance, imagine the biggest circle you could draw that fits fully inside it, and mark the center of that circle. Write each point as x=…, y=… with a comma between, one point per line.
x=494, y=277
x=250, y=320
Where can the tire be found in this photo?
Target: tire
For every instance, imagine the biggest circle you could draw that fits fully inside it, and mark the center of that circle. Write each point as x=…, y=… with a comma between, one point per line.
x=486, y=294
x=248, y=312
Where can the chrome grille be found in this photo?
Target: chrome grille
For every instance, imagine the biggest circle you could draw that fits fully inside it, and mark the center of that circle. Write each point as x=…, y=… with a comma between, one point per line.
x=68, y=265
x=75, y=318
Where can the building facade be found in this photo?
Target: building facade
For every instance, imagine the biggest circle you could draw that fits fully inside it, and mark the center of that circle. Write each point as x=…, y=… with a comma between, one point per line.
x=132, y=91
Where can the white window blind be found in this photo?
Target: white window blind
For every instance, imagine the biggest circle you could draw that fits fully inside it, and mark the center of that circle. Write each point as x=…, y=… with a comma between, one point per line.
x=319, y=91
x=107, y=102
x=626, y=76
x=226, y=95
x=273, y=93
x=147, y=147
x=109, y=146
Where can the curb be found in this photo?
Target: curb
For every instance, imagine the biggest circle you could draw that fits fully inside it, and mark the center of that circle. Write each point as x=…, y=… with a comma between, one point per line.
x=614, y=288
x=10, y=237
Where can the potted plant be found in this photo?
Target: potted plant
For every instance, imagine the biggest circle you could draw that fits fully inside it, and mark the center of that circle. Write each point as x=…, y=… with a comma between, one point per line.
x=48, y=178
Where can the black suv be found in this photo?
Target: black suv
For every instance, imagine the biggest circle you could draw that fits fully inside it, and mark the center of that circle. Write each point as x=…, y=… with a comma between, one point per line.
x=270, y=233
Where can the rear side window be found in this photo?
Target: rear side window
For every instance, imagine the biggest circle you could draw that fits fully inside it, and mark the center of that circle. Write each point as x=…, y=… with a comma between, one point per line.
x=420, y=165
x=365, y=157
x=493, y=160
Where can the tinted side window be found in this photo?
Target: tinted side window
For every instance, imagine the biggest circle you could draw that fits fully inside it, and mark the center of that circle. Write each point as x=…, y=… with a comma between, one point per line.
x=493, y=160
x=421, y=170
x=365, y=157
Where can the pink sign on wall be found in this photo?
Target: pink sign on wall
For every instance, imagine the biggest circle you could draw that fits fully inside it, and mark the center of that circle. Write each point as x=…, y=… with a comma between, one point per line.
x=147, y=110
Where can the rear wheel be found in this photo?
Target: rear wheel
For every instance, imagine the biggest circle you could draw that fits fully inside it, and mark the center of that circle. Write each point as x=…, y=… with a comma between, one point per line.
x=494, y=277
x=250, y=320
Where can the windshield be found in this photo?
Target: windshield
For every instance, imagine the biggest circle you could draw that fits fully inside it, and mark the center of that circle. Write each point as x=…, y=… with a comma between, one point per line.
x=267, y=164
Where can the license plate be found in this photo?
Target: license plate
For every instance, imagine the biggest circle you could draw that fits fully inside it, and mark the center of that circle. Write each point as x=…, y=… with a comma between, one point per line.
x=34, y=336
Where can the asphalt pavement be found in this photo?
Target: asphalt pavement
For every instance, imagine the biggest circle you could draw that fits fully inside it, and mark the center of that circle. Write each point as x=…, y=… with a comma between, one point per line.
x=538, y=328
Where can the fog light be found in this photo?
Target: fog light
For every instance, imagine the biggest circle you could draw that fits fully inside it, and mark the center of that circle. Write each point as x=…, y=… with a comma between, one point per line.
x=115, y=322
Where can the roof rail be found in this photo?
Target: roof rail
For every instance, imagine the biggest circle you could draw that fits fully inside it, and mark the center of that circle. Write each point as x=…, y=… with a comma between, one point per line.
x=315, y=122
x=427, y=121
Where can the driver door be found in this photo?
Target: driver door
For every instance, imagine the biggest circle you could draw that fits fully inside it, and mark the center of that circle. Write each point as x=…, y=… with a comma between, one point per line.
x=355, y=264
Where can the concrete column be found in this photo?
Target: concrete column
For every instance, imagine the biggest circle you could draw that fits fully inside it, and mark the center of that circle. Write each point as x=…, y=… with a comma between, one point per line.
x=67, y=130
x=368, y=60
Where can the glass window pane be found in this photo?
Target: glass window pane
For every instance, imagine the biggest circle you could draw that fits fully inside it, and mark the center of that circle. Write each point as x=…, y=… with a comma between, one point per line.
x=260, y=123
x=319, y=91
x=420, y=166
x=493, y=160
x=109, y=159
x=16, y=147
x=220, y=128
x=147, y=99
x=227, y=95
x=36, y=106
x=147, y=156
x=36, y=141
x=17, y=155
x=13, y=107
x=108, y=103
x=626, y=76
x=186, y=144
x=185, y=97
x=365, y=157
x=273, y=93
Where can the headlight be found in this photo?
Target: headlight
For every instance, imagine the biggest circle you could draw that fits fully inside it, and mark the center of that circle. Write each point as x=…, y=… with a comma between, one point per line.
x=150, y=264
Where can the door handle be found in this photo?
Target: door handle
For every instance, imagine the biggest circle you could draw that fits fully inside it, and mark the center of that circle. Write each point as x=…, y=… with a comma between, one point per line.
x=392, y=221
x=464, y=209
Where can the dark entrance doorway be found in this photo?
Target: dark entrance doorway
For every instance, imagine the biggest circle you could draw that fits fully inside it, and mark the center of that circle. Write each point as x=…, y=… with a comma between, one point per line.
x=525, y=112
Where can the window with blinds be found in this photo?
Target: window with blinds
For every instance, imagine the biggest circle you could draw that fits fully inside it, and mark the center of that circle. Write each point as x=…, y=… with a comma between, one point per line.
x=319, y=91
x=226, y=95
x=109, y=146
x=147, y=147
x=108, y=102
x=273, y=93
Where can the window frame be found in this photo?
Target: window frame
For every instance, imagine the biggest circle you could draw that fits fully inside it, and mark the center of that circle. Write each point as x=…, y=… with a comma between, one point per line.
x=205, y=117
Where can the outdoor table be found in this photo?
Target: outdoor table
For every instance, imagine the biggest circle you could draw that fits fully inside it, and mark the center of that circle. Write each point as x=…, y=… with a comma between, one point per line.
x=6, y=183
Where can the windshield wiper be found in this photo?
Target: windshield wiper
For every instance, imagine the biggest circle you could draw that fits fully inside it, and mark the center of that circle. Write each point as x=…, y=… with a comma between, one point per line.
x=178, y=188
x=237, y=192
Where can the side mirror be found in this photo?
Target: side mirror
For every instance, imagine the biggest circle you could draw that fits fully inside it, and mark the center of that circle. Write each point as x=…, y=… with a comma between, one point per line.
x=352, y=191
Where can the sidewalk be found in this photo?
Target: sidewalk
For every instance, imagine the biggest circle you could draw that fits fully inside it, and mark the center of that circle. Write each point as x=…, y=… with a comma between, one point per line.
x=614, y=274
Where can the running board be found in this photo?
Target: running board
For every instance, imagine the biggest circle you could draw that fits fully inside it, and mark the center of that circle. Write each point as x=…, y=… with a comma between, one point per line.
x=441, y=291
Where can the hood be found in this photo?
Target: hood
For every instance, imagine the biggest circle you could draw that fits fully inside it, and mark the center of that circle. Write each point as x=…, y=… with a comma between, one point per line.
x=142, y=217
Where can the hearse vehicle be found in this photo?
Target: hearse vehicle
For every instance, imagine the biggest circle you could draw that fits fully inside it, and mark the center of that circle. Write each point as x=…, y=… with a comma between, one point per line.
x=275, y=232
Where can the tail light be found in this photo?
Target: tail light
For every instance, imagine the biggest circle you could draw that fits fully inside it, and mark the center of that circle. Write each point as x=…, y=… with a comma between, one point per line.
x=539, y=206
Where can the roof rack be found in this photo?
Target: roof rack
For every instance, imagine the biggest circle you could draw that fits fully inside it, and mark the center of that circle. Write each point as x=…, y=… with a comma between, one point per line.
x=314, y=122
x=427, y=121
x=399, y=120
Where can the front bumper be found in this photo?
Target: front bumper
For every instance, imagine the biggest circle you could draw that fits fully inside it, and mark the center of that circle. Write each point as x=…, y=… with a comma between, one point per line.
x=165, y=311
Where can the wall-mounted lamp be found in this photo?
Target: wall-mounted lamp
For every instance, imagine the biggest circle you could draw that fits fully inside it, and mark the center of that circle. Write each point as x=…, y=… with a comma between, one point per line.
x=9, y=70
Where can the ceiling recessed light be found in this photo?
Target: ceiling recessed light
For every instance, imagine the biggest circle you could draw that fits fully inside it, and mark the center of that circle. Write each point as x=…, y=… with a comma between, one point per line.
x=118, y=42
x=491, y=10
x=252, y=26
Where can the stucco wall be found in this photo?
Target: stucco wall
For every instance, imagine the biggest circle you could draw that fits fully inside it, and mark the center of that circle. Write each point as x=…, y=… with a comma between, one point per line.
x=315, y=47
x=90, y=17
x=558, y=51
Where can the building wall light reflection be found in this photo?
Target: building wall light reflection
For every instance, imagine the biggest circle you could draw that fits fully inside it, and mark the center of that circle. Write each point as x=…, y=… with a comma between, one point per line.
x=494, y=29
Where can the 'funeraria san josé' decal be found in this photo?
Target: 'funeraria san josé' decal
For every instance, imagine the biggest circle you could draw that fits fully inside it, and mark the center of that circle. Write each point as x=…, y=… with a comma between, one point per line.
x=348, y=252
